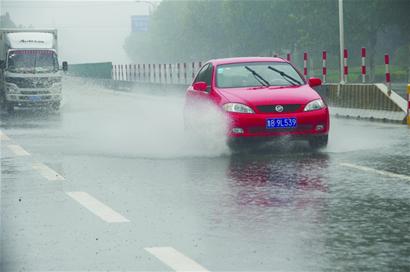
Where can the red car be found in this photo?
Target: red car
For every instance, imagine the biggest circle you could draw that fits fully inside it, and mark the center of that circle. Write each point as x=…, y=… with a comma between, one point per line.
x=263, y=98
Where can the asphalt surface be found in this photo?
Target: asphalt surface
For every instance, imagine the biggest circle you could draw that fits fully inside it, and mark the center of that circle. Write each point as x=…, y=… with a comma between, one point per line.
x=113, y=183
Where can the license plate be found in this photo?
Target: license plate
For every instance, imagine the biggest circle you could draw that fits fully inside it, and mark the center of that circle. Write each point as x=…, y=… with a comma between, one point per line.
x=34, y=98
x=281, y=123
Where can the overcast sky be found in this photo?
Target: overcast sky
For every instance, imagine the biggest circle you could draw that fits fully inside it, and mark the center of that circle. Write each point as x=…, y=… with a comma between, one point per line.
x=89, y=31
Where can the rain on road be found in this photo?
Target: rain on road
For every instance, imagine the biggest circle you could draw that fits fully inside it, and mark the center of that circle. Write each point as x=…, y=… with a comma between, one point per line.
x=113, y=183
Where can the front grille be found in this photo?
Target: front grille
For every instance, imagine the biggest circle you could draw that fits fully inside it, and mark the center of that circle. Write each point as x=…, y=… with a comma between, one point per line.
x=33, y=82
x=273, y=130
x=272, y=108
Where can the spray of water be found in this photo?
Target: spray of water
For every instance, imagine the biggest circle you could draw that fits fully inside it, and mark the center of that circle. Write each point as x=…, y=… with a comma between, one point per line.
x=139, y=124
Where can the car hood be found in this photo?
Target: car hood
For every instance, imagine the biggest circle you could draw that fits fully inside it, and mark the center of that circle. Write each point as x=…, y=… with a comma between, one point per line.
x=270, y=95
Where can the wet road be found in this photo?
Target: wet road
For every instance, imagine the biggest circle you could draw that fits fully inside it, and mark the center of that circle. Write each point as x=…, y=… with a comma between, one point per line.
x=113, y=183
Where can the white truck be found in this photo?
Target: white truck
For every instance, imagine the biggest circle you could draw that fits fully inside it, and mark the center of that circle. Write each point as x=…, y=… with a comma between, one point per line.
x=30, y=74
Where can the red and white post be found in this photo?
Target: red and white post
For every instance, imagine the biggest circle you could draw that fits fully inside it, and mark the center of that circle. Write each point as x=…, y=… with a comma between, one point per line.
x=345, y=66
x=324, y=68
x=288, y=57
x=363, y=65
x=305, y=60
x=388, y=79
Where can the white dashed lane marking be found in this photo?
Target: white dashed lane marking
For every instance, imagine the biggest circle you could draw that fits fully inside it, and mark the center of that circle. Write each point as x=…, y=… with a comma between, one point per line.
x=3, y=137
x=380, y=172
x=18, y=150
x=47, y=172
x=175, y=259
x=98, y=208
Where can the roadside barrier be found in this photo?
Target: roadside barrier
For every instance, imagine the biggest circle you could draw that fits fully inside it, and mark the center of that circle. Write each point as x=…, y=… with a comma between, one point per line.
x=408, y=105
x=185, y=75
x=355, y=100
x=193, y=70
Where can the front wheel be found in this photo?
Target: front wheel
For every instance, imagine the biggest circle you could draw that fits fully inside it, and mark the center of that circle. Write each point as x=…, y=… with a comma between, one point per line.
x=318, y=142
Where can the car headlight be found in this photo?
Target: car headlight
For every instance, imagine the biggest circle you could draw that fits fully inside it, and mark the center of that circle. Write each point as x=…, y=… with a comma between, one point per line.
x=57, y=87
x=315, y=105
x=236, y=107
x=11, y=88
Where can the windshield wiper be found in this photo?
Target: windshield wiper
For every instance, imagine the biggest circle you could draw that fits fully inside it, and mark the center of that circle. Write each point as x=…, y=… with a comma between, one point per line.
x=287, y=77
x=258, y=77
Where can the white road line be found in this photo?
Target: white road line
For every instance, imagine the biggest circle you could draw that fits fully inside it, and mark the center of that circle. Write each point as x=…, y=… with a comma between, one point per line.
x=18, y=150
x=3, y=137
x=47, y=172
x=175, y=259
x=380, y=172
x=98, y=208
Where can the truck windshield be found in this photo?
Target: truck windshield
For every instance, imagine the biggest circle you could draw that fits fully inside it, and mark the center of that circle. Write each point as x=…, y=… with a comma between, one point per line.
x=32, y=61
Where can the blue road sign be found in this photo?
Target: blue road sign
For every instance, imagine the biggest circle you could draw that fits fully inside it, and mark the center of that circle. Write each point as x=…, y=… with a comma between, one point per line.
x=139, y=23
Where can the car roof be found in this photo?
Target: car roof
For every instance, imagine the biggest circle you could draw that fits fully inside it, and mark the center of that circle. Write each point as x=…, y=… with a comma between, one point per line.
x=244, y=59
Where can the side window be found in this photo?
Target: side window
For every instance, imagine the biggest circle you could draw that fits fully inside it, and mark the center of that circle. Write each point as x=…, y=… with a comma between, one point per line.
x=207, y=76
x=200, y=76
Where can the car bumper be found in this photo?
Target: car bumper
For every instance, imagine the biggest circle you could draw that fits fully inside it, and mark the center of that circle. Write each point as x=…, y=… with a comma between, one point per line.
x=34, y=98
x=313, y=123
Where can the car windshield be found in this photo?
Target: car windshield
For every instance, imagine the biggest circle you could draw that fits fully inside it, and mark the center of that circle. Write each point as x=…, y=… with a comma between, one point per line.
x=241, y=75
x=29, y=61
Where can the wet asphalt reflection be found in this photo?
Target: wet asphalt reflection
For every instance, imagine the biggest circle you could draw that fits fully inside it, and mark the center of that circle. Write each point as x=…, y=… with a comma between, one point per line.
x=280, y=206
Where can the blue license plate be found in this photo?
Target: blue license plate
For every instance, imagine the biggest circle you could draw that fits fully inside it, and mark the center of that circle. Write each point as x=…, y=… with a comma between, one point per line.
x=281, y=123
x=34, y=98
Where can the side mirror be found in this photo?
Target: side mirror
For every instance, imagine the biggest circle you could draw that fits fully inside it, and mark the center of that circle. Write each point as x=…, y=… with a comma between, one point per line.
x=65, y=66
x=314, y=82
x=200, y=86
x=2, y=64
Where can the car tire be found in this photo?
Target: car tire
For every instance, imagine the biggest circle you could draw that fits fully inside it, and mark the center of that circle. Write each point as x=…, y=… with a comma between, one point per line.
x=318, y=142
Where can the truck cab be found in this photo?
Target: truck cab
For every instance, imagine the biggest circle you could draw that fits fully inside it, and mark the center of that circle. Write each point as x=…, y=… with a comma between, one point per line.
x=29, y=69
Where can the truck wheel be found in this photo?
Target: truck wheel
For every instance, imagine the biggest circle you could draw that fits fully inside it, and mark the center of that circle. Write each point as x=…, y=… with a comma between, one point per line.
x=318, y=142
